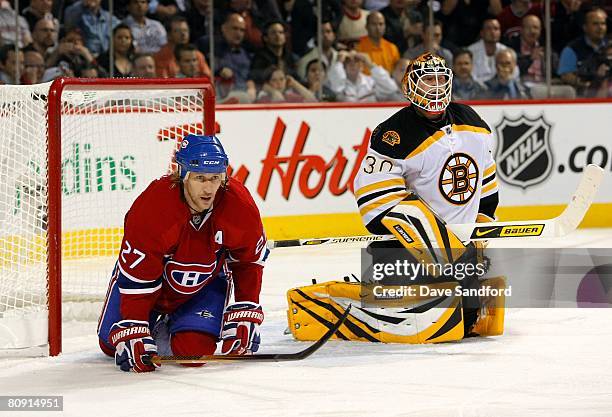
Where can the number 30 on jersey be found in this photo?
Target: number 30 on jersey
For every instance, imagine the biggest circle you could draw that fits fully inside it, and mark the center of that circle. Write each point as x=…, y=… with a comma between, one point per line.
x=373, y=165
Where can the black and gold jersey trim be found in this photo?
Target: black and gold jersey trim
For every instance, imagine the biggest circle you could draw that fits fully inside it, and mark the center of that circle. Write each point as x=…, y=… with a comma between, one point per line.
x=416, y=133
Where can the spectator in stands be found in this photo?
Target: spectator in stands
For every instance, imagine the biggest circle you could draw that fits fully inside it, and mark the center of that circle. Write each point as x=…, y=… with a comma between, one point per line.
x=397, y=75
x=595, y=69
x=512, y=15
x=198, y=16
x=465, y=87
x=372, y=5
x=72, y=50
x=463, y=18
x=349, y=83
x=8, y=30
x=253, y=20
x=303, y=19
x=575, y=64
x=394, y=15
x=330, y=54
x=33, y=67
x=123, y=43
x=566, y=23
x=413, y=30
x=44, y=36
x=233, y=61
x=163, y=10
x=72, y=14
x=39, y=9
x=63, y=69
x=90, y=71
x=353, y=23
x=484, y=51
x=149, y=35
x=432, y=42
x=279, y=87
x=187, y=59
x=381, y=51
x=144, y=66
x=9, y=62
x=604, y=72
x=531, y=59
x=315, y=81
x=274, y=53
x=178, y=34
x=505, y=86
x=94, y=24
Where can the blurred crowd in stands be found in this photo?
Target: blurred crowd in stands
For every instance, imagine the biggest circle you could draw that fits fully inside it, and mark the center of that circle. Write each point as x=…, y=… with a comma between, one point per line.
x=266, y=50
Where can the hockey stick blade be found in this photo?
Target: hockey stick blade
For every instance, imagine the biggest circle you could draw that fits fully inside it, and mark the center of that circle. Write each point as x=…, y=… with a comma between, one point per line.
x=261, y=357
x=558, y=226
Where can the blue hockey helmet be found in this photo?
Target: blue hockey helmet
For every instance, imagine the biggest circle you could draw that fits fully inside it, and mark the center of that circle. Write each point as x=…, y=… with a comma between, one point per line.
x=202, y=154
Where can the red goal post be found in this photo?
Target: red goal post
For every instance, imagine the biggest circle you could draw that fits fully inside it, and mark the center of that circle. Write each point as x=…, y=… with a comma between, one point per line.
x=93, y=172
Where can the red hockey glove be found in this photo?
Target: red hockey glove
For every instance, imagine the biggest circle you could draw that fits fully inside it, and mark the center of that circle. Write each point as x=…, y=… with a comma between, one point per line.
x=240, y=332
x=133, y=345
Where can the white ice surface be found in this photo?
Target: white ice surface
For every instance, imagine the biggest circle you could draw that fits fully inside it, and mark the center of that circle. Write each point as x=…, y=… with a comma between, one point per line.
x=549, y=362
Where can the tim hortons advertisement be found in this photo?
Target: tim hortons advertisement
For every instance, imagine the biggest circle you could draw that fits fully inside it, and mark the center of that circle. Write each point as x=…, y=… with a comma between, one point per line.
x=302, y=161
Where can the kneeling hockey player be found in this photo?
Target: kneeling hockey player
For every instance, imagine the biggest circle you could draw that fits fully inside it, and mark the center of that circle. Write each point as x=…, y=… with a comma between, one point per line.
x=188, y=239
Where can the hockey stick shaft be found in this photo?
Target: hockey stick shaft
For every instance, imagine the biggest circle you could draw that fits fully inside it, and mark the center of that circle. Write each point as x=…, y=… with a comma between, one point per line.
x=559, y=226
x=261, y=357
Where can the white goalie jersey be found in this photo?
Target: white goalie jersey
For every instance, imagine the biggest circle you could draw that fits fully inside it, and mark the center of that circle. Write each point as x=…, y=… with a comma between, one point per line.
x=448, y=164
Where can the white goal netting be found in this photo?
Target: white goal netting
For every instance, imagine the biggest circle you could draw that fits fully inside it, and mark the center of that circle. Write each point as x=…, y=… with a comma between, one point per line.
x=113, y=143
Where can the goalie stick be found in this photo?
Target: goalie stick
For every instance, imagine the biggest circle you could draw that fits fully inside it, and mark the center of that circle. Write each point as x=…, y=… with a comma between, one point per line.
x=558, y=226
x=261, y=357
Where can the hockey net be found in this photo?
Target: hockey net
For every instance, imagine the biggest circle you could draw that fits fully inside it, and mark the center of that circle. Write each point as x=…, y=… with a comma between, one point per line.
x=73, y=157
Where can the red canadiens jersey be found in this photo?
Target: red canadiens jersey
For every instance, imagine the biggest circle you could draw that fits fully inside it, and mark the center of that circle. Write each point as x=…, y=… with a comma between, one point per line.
x=168, y=254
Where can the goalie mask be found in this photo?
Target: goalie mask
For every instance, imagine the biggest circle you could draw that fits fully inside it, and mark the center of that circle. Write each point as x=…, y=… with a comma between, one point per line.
x=428, y=83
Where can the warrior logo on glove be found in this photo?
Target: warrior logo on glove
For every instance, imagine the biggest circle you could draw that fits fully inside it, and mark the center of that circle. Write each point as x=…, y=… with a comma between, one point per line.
x=240, y=333
x=133, y=345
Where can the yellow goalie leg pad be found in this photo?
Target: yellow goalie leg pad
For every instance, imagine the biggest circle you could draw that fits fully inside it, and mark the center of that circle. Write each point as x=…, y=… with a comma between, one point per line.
x=313, y=309
x=491, y=317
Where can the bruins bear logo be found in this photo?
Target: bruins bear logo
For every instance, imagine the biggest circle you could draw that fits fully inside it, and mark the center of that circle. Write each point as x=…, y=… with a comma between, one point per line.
x=458, y=179
x=391, y=137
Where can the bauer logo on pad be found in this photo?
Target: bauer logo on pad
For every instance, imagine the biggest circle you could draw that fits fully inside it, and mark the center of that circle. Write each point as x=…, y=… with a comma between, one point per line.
x=523, y=230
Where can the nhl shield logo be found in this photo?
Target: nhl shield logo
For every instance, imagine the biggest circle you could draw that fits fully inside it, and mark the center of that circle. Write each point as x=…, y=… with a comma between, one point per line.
x=524, y=157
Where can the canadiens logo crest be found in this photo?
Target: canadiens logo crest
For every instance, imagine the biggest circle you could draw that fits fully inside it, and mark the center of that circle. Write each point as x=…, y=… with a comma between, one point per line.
x=391, y=137
x=524, y=156
x=188, y=278
x=458, y=179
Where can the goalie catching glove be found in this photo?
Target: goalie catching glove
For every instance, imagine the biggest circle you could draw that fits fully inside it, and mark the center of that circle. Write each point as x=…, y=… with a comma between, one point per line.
x=240, y=332
x=133, y=345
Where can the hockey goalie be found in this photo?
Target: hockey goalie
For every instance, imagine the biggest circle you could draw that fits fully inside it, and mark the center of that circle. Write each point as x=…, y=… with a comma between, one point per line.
x=428, y=165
